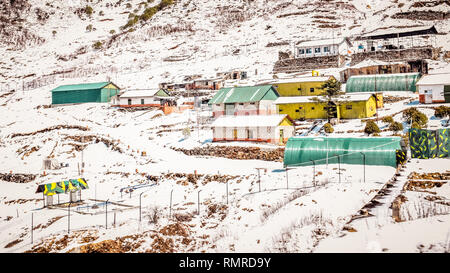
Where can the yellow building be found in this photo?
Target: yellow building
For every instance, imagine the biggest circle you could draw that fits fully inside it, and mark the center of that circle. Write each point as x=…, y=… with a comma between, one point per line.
x=302, y=86
x=353, y=106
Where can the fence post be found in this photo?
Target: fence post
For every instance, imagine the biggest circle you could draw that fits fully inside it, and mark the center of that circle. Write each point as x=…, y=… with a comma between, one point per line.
x=314, y=172
x=106, y=206
x=364, y=170
x=339, y=170
x=198, y=202
x=32, y=214
x=170, y=206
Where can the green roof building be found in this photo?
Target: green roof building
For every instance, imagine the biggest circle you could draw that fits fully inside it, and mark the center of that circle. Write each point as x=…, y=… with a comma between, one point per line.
x=82, y=93
x=244, y=100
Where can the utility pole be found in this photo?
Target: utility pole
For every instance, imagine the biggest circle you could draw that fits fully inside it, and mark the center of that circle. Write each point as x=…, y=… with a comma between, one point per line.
x=170, y=211
x=314, y=172
x=106, y=206
x=68, y=217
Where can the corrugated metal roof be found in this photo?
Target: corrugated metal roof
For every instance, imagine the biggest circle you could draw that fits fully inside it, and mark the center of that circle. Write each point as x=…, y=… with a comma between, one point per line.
x=393, y=31
x=82, y=86
x=435, y=79
x=309, y=99
x=241, y=94
x=139, y=93
x=371, y=62
x=249, y=121
x=300, y=151
x=323, y=42
x=303, y=79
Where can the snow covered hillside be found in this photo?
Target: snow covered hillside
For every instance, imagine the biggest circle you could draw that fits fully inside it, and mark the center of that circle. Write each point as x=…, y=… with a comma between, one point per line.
x=145, y=194
x=44, y=37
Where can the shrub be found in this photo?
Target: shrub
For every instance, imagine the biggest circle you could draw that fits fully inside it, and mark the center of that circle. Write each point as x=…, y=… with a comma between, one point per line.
x=387, y=119
x=396, y=126
x=416, y=125
x=54, y=32
x=328, y=128
x=89, y=28
x=112, y=31
x=442, y=112
x=414, y=115
x=97, y=45
x=371, y=128
x=89, y=10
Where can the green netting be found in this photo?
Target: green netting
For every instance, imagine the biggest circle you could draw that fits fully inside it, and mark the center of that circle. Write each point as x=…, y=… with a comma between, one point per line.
x=429, y=143
x=443, y=142
x=382, y=82
x=301, y=151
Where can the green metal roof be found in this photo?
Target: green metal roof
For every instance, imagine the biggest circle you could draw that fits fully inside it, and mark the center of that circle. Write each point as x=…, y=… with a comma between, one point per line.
x=382, y=82
x=82, y=86
x=244, y=94
x=300, y=151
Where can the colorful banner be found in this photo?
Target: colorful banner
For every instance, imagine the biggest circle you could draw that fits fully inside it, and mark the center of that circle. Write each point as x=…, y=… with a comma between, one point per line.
x=66, y=186
x=429, y=143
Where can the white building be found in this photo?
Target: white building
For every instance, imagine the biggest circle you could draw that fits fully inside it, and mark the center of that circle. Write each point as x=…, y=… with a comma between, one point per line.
x=434, y=88
x=325, y=47
x=275, y=129
x=141, y=98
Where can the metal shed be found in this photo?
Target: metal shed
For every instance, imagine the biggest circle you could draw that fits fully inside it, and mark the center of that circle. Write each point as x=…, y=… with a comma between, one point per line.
x=86, y=92
x=382, y=151
x=382, y=82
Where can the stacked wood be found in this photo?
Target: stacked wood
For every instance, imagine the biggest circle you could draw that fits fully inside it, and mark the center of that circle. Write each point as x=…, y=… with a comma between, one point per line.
x=17, y=178
x=56, y=127
x=235, y=152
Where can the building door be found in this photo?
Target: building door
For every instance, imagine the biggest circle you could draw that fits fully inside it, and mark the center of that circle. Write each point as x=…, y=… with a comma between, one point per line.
x=447, y=93
x=281, y=136
x=129, y=101
x=229, y=109
x=428, y=96
x=249, y=134
x=235, y=133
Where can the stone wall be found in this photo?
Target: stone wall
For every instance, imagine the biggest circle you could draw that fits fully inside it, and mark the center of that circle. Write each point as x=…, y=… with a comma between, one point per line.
x=396, y=55
x=301, y=64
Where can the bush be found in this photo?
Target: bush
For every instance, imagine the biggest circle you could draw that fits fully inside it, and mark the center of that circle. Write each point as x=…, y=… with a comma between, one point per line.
x=415, y=116
x=396, y=126
x=387, y=119
x=371, y=128
x=328, y=128
x=97, y=45
x=89, y=28
x=442, y=112
x=89, y=10
x=112, y=31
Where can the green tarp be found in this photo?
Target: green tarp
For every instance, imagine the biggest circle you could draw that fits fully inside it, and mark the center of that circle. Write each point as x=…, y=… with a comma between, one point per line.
x=382, y=82
x=429, y=143
x=383, y=151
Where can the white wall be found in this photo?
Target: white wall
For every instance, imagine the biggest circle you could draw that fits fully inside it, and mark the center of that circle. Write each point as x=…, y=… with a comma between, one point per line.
x=437, y=91
x=134, y=101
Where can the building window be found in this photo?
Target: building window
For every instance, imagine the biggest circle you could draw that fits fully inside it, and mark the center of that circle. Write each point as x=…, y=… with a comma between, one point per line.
x=312, y=108
x=308, y=51
x=297, y=110
x=317, y=50
x=129, y=101
x=241, y=104
x=299, y=89
x=348, y=107
x=326, y=49
x=300, y=108
x=311, y=90
x=142, y=101
x=252, y=103
x=280, y=110
x=301, y=51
